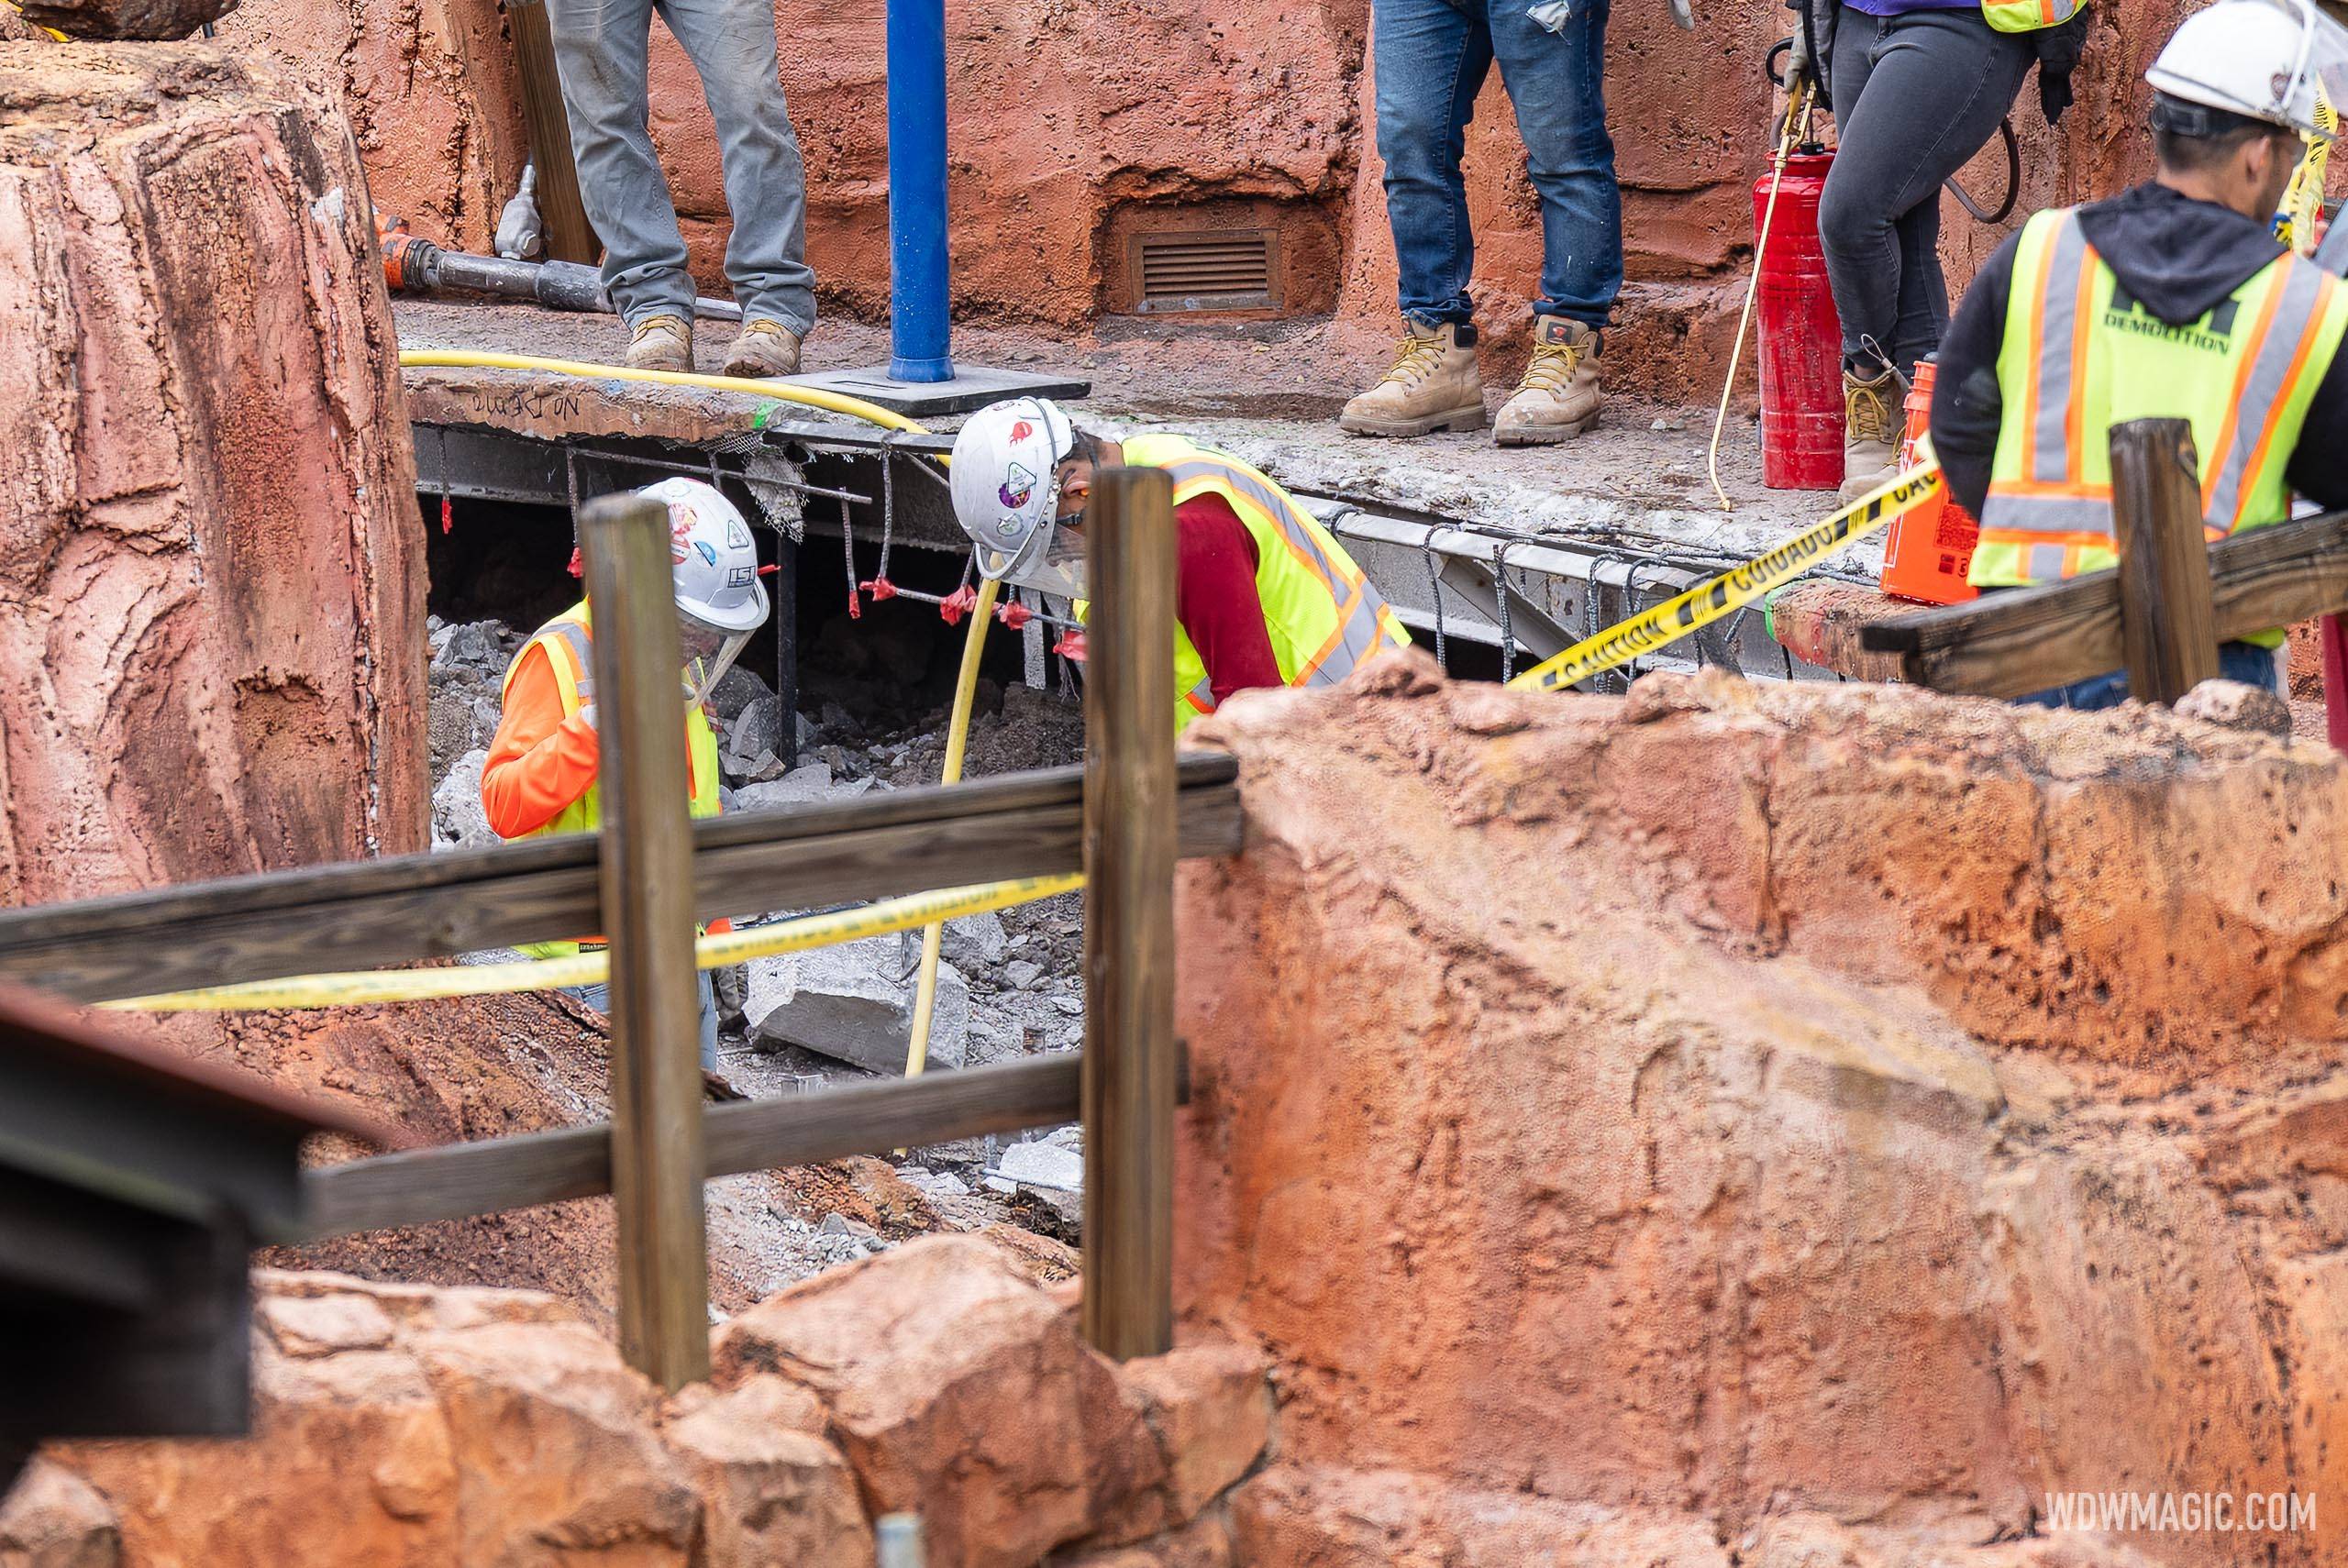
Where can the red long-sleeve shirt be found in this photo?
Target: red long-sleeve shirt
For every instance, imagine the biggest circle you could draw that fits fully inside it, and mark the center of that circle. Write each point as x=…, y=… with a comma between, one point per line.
x=1215, y=597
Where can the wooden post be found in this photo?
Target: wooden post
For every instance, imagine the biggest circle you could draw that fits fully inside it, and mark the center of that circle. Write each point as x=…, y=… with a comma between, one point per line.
x=647, y=883
x=2167, y=624
x=1130, y=1055
x=570, y=236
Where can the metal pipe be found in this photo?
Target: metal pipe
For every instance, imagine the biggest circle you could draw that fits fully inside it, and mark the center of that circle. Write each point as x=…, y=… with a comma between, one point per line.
x=919, y=327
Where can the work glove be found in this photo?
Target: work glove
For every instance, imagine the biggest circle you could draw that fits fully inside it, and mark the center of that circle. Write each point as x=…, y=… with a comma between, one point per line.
x=1797, y=64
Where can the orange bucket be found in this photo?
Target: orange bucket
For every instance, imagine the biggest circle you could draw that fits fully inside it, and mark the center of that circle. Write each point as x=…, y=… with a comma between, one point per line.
x=1930, y=549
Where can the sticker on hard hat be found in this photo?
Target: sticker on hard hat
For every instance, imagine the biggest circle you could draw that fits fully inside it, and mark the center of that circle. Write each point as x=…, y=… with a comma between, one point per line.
x=708, y=551
x=1018, y=484
x=741, y=577
x=1008, y=528
x=737, y=536
x=1021, y=431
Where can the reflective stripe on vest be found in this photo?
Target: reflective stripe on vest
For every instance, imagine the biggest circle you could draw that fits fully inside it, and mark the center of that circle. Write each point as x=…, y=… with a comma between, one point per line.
x=2081, y=355
x=570, y=650
x=1323, y=613
x=2029, y=15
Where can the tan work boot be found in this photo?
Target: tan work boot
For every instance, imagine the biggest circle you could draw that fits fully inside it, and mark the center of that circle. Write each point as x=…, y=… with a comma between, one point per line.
x=764, y=347
x=1432, y=386
x=1558, y=399
x=1874, y=419
x=661, y=343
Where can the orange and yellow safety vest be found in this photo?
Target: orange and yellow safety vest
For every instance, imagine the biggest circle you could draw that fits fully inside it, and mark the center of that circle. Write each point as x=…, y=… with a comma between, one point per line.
x=1323, y=613
x=2081, y=355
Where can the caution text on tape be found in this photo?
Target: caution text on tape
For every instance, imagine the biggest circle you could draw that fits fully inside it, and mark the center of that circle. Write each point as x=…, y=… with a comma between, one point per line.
x=1706, y=602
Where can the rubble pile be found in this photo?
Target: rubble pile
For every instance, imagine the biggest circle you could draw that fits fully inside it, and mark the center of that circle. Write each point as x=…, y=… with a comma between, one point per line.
x=1767, y=1124
x=400, y=1424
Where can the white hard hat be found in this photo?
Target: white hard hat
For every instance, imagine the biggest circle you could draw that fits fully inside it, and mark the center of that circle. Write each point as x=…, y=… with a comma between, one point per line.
x=1007, y=489
x=2281, y=61
x=716, y=561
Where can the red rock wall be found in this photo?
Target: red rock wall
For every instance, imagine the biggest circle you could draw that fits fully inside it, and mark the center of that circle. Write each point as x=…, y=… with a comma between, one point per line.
x=1068, y=126
x=211, y=646
x=1787, y=1111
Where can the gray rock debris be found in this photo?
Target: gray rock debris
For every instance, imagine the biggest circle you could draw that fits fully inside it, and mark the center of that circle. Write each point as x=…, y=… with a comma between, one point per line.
x=854, y=1002
x=459, y=821
x=802, y=786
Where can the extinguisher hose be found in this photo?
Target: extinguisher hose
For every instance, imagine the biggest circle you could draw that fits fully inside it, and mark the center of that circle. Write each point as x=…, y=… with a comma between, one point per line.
x=2013, y=181
x=1797, y=111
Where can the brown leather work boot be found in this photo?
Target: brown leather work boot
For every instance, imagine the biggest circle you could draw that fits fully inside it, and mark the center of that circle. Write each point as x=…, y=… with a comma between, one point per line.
x=1558, y=399
x=661, y=343
x=1874, y=419
x=764, y=347
x=1432, y=386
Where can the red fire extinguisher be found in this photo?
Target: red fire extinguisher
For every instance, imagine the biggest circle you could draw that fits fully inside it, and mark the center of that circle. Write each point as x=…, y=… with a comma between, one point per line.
x=1800, y=337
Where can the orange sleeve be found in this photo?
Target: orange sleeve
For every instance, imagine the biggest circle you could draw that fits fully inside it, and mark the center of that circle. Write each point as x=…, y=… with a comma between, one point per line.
x=539, y=762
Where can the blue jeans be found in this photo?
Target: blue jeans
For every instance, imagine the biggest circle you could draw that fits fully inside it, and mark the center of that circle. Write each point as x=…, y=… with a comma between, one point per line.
x=2245, y=662
x=600, y=50
x=599, y=997
x=1431, y=59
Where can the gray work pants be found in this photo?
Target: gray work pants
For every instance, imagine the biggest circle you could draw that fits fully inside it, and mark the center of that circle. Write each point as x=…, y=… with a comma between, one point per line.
x=1916, y=95
x=600, y=48
x=600, y=999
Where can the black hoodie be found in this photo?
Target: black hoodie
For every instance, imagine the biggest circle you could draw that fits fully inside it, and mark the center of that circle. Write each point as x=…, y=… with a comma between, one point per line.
x=2179, y=256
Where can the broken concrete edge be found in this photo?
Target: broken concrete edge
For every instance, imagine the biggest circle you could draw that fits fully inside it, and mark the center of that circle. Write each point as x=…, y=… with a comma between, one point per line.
x=403, y=1423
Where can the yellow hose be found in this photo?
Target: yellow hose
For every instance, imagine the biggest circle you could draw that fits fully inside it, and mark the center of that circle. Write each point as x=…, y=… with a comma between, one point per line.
x=957, y=735
x=833, y=402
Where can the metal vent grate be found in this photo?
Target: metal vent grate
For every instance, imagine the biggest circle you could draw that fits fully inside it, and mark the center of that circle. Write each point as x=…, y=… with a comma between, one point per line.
x=1216, y=268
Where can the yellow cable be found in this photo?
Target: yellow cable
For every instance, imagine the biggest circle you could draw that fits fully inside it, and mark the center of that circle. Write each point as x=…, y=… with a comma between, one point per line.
x=957, y=735
x=812, y=397
x=1797, y=117
x=36, y=27
x=366, y=987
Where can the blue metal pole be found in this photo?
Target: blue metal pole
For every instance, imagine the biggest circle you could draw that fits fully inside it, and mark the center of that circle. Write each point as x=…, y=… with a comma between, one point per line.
x=919, y=325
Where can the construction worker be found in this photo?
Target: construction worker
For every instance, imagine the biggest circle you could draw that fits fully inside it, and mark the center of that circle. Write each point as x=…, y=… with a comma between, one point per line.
x=2170, y=300
x=1264, y=595
x=1431, y=57
x=539, y=778
x=601, y=53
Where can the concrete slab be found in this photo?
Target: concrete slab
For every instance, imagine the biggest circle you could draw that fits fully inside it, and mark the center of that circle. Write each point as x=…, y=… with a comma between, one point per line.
x=973, y=387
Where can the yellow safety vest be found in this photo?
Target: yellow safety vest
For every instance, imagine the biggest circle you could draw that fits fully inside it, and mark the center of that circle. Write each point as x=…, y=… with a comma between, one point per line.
x=568, y=649
x=1323, y=615
x=2081, y=355
x=2029, y=15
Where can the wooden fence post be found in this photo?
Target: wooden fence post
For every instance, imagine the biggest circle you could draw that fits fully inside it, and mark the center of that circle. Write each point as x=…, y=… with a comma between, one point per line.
x=569, y=236
x=2167, y=625
x=1130, y=1056
x=647, y=902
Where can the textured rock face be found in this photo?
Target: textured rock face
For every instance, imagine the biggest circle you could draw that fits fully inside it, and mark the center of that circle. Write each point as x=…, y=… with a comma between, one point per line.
x=1736, y=1102
x=402, y=1424
x=210, y=637
x=1076, y=126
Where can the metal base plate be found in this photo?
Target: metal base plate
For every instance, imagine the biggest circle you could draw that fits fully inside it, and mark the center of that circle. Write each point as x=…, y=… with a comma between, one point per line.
x=973, y=387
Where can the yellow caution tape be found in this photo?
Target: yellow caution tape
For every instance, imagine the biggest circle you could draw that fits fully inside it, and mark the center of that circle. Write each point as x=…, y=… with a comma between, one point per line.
x=365, y=987
x=1734, y=590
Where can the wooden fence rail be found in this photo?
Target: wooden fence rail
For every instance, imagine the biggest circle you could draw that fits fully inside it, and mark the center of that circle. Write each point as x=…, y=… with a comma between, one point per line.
x=2014, y=642
x=413, y=906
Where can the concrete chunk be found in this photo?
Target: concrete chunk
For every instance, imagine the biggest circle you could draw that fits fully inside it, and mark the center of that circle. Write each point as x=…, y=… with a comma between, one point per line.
x=854, y=1002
